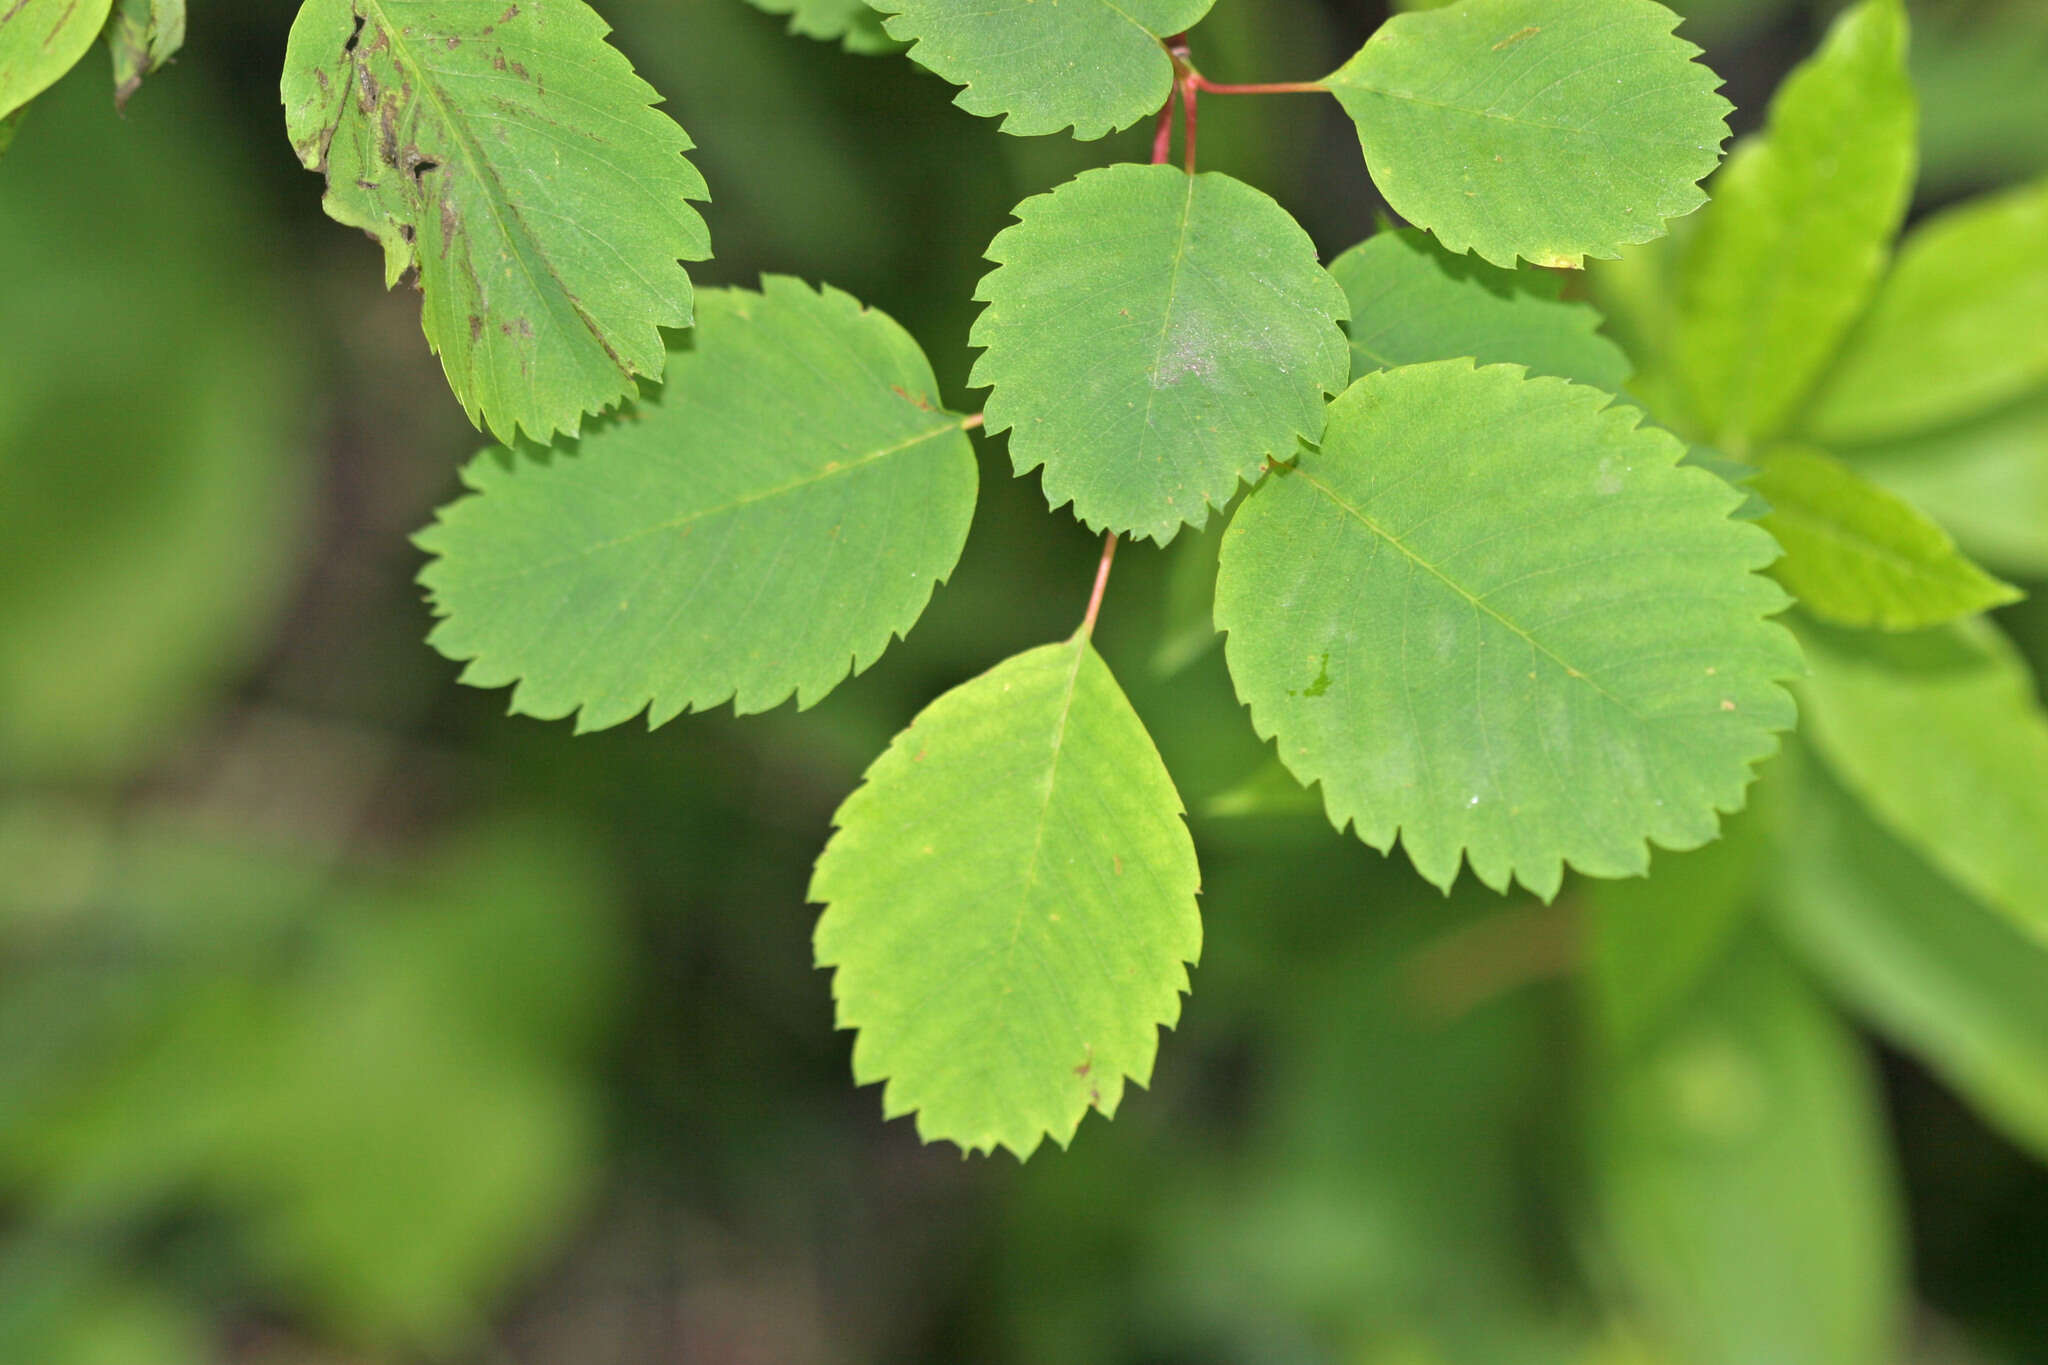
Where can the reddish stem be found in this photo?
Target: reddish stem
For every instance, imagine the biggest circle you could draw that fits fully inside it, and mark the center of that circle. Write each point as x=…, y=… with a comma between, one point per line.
x=1190, y=85
x=1101, y=583
x=1268, y=88
x=1162, y=141
x=973, y=423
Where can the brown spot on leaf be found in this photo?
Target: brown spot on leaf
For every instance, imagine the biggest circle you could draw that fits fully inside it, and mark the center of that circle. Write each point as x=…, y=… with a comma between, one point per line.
x=1519, y=36
x=476, y=329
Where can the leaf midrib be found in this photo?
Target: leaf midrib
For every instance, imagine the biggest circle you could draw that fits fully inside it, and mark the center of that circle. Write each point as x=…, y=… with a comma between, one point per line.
x=582, y=552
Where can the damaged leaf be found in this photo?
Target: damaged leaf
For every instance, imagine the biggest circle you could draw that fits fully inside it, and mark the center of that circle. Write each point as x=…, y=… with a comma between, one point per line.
x=511, y=157
x=141, y=36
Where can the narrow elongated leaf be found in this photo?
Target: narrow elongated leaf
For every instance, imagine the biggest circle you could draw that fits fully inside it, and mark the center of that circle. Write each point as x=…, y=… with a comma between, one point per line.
x=769, y=521
x=1097, y=65
x=1940, y=735
x=852, y=23
x=1010, y=902
x=1955, y=330
x=1552, y=130
x=1413, y=301
x=1857, y=555
x=141, y=36
x=40, y=40
x=1940, y=975
x=1741, y=1163
x=1153, y=338
x=1492, y=615
x=1800, y=228
x=508, y=154
x=1985, y=480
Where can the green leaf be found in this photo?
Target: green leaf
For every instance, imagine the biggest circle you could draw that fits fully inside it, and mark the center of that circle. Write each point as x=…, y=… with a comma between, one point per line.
x=40, y=40
x=774, y=516
x=1937, y=973
x=1985, y=480
x=1955, y=330
x=1152, y=339
x=1857, y=555
x=513, y=159
x=1650, y=941
x=1941, y=737
x=1742, y=1167
x=1413, y=301
x=1098, y=65
x=1799, y=231
x=852, y=23
x=1010, y=901
x=1493, y=616
x=1547, y=129
x=141, y=36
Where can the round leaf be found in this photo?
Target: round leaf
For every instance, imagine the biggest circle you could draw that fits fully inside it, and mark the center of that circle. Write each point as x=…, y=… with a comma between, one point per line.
x=1494, y=616
x=773, y=517
x=1010, y=904
x=1152, y=338
x=40, y=40
x=1548, y=129
x=1098, y=65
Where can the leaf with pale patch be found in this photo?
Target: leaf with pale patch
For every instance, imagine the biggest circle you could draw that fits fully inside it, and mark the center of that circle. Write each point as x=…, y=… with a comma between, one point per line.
x=508, y=154
x=1094, y=65
x=1495, y=617
x=1010, y=906
x=768, y=522
x=1552, y=130
x=1152, y=339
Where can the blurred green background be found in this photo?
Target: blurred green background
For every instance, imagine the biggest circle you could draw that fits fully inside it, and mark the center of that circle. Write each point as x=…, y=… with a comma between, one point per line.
x=344, y=1019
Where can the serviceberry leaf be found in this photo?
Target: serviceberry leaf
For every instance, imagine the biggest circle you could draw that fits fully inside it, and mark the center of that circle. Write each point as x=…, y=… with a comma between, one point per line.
x=1858, y=555
x=1152, y=339
x=1799, y=232
x=1955, y=329
x=1495, y=617
x=508, y=154
x=1552, y=130
x=1043, y=65
x=852, y=23
x=767, y=522
x=40, y=40
x=1412, y=301
x=1010, y=906
x=141, y=36
x=1942, y=736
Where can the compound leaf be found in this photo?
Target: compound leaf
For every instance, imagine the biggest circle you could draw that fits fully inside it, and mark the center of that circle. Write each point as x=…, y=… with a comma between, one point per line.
x=851, y=23
x=1955, y=329
x=1547, y=129
x=1799, y=231
x=1413, y=301
x=771, y=519
x=1010, y=904
x=1937, y=973
x=1493, y=616
x=1858, y=555
x=40, y=40
x=1098, y=65
x=141, y=36
x=508, y=154
x=1941, y=737
x=1152, y=338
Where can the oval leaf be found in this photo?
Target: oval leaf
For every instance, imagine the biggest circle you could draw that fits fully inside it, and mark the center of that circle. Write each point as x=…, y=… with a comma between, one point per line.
x=511, y=157
x=1412, y=301
x=1857, y=555
x=770, y=520
x=1098, y=65
x=40, y=40
x=1010, y=904
x=1547, y=129
x=1152, y=338
x=1494, y=616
